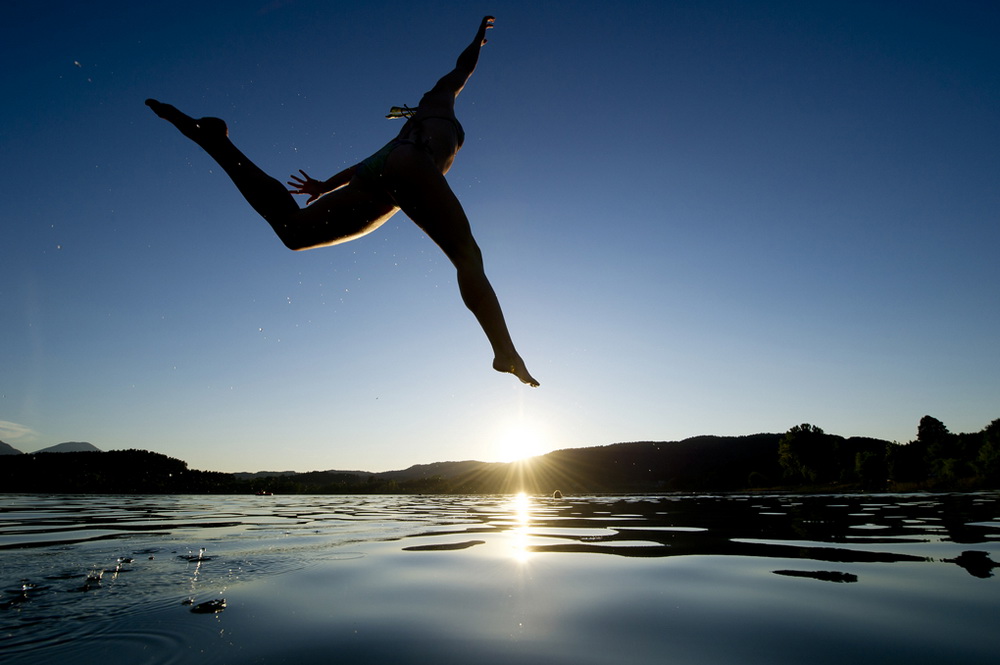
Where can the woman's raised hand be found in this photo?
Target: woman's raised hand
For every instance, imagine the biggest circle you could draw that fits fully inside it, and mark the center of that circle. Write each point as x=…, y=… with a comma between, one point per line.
x=306, y=185
x=484, y=26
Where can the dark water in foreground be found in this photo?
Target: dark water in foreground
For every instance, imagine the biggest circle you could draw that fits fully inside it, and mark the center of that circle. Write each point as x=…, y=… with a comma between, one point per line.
x=489, y=580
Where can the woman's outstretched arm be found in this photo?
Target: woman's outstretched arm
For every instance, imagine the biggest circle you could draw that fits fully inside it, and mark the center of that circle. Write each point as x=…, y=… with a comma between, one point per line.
x=455, y=80
x=317, y=188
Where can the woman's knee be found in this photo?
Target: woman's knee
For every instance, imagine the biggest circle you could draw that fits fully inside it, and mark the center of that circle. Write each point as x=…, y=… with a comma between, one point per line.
x=295, y=246
x=289, y=236
x=466, y=254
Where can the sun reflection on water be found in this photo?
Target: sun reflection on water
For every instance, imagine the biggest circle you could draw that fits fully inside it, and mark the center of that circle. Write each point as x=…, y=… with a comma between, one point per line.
x=521, y=531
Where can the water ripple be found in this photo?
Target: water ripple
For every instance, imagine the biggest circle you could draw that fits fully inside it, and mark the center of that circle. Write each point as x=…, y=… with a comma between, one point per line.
x=91, y=575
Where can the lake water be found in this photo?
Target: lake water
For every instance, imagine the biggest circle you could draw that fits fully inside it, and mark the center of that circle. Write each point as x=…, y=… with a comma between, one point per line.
x=500, y=579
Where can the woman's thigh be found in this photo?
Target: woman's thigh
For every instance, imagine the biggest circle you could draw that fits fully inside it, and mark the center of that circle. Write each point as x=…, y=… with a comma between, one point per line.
x=342, y=215
x=422, y=192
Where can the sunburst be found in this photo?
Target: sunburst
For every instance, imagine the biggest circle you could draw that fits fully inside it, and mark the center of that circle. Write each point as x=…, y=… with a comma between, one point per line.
x=517, y=441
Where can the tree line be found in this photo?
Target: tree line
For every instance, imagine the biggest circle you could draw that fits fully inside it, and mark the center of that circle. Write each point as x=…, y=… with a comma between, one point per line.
x=936, y=459
x=805, y=458
x=144, y=472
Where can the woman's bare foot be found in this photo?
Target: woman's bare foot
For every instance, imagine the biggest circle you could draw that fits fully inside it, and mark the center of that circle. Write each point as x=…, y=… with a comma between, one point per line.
x=201, y=131
x=516, y=367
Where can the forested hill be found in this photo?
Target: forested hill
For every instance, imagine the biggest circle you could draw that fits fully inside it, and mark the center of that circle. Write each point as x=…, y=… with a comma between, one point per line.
x=112, y=472
x=804, y=457
x=717, y=463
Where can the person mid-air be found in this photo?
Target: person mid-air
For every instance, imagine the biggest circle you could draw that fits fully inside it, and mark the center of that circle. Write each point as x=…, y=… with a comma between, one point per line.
x=406, y=174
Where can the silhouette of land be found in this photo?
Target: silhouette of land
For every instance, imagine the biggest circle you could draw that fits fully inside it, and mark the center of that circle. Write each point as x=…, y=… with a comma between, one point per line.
x=805, y=458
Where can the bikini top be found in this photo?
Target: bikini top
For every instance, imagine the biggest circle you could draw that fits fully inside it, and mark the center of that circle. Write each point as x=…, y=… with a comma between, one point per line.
x=405, y=111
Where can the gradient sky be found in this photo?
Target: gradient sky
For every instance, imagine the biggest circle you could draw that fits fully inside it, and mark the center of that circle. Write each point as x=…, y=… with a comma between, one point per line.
x=718, y=217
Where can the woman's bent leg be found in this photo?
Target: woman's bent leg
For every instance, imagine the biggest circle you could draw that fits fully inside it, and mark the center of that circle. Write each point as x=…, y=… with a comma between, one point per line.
x=265, y=194
x=347, y=213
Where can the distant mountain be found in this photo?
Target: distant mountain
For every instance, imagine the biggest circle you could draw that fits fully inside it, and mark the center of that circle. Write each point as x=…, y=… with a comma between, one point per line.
x=705, y=462
x=248, y=475
x=439, y=469
x=7, y=449
x=71, y=447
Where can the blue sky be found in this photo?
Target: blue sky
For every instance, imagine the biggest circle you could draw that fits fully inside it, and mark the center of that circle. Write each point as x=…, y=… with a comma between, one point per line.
x=700, y=218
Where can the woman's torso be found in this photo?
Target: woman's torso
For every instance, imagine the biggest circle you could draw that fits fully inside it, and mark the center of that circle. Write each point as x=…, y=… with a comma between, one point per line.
x=436, y=130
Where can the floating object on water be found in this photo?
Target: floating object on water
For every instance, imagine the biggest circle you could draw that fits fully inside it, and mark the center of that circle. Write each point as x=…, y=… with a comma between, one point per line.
x=976, y=563
x=557, y=494
x=822, y=575
x=209, y=606
x=446, y=546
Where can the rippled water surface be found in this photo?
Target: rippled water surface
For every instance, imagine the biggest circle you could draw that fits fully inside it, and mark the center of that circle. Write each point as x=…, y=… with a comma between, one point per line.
x=500, y=579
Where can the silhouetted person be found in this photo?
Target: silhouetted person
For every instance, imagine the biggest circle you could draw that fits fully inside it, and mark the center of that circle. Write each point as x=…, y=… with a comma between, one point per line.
x=406, y=174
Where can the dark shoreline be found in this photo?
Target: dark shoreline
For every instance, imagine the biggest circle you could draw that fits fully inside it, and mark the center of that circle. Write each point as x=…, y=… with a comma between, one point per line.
x=804, y=459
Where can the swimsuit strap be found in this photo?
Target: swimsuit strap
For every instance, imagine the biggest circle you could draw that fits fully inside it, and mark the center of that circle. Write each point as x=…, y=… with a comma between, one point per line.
x=405, y=111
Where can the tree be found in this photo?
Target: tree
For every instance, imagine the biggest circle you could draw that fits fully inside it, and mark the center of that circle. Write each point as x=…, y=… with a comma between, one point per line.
x=932, y=431
x=870, y=469
x=988, y=460
x=907, y=462
x=949, y=456
x=806, y=452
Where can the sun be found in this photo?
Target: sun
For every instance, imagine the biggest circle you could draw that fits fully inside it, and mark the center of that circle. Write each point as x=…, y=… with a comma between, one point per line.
x=517, y=441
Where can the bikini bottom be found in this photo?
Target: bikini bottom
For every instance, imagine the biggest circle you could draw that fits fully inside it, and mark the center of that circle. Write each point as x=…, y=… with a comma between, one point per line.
x=371, y=168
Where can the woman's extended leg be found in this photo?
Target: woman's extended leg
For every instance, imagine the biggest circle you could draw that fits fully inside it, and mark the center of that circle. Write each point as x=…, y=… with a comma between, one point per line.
x=337, y=217
x=265, y=194
x=424, y=195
